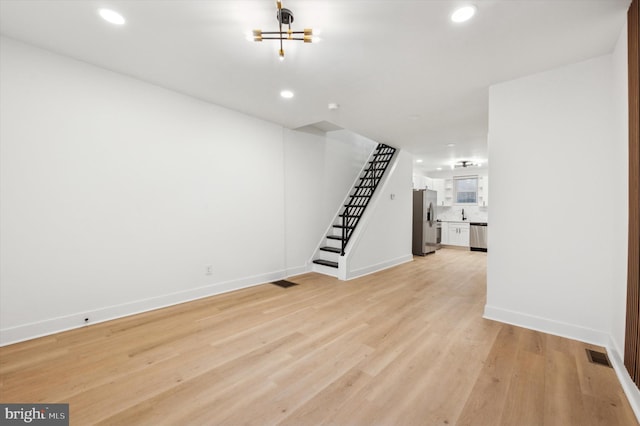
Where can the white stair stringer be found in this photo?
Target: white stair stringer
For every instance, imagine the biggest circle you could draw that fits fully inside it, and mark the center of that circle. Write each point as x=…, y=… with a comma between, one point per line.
x=341, y=271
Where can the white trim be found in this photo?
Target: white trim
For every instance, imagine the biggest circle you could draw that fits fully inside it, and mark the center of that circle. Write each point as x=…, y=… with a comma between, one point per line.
x=334, y=220
x=628, y=386
x=69, y=322
x=379, y=266
x=298, y=270
x=325, y=270
x=545, y=325
x=345, y=272
x=574, y=332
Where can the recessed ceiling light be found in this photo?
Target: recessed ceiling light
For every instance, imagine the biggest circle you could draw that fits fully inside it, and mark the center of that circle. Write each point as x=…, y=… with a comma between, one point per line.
x=111, y=16
x=418, y=160
x=451, y=145
x=463, y=13
x=287, y=94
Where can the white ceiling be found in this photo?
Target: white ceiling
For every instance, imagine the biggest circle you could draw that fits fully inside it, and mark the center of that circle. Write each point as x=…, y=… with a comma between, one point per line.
x=402, y=72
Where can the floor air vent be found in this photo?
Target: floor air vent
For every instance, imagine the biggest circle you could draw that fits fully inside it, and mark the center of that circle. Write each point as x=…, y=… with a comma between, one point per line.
x=598, y=357
x=284, y=283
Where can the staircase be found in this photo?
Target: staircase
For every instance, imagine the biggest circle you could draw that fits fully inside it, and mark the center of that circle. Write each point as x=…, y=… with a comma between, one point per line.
x=358, y=200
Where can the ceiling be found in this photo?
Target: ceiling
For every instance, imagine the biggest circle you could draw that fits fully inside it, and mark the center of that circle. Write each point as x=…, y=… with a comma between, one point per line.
x=401, y=71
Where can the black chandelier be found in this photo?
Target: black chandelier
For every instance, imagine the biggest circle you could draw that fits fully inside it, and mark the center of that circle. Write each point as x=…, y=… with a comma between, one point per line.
x=284, y=17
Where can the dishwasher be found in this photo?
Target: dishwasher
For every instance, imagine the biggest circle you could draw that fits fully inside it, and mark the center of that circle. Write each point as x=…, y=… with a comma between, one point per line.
x=478, y=236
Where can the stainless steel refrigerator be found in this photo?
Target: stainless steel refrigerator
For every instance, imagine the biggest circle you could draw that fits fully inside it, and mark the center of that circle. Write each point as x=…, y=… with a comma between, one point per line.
x=425, y=227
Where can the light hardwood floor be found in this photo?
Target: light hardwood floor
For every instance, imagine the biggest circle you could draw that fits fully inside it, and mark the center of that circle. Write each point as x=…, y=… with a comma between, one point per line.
x=405, y=346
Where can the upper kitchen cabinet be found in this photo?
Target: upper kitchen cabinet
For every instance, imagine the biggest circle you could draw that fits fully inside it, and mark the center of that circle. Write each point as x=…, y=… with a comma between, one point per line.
x=428, y=182
x=447, y=199
x=483, y=191
x=438, y=186
x=422, y=182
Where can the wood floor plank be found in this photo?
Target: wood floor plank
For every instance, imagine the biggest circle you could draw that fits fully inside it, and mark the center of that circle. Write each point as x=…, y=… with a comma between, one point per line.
x=485, y=404
x=564, y=403
x=523, y=407
x=407, y=345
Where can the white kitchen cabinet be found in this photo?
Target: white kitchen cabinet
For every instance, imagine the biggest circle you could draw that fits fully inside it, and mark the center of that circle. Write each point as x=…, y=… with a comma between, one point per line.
x=483, y=191
x=447, y=200
x=444, y=232
x=458, y=234
x=428, y=182
x=438, y=186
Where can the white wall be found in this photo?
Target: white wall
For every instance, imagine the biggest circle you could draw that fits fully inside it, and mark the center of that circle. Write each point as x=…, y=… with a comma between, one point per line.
x=384, y=238
x=559, y=215
x=117, y=192
x=319, y=172
x=619, y=191
x=346, y=153
x=451, y=173
x=304, y=169
x=117, y=195
x=551, y=264
x=619, y=197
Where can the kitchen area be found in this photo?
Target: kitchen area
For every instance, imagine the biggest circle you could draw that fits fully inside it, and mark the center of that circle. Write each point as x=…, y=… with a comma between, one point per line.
x=451, y=210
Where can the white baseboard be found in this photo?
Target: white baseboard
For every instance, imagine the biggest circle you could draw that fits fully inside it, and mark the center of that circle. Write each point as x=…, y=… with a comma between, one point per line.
x=298, y=270
x=379, y=266
x=574, y=332
x=55, y=325
x=545, y=325
x=628, y=386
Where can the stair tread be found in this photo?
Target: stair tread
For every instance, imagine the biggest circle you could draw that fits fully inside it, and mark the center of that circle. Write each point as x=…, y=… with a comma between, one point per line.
x=369, y=181
x=331, y=249
x=326, y=263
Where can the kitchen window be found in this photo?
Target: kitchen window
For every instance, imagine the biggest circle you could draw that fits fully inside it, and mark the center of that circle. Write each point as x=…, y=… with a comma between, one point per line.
x=466, y=189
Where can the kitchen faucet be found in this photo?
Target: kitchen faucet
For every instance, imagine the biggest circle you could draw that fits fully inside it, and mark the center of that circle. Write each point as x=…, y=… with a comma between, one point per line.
x=463, y=218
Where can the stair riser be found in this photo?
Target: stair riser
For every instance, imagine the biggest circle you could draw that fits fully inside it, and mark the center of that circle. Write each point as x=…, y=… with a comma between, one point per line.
x=359, y=198
x=333, y=272
x=336, y=231
x=327, y=255
x=333, y=243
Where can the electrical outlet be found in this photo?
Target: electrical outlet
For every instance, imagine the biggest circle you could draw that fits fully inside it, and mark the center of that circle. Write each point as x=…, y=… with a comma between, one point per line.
x=210, y=270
